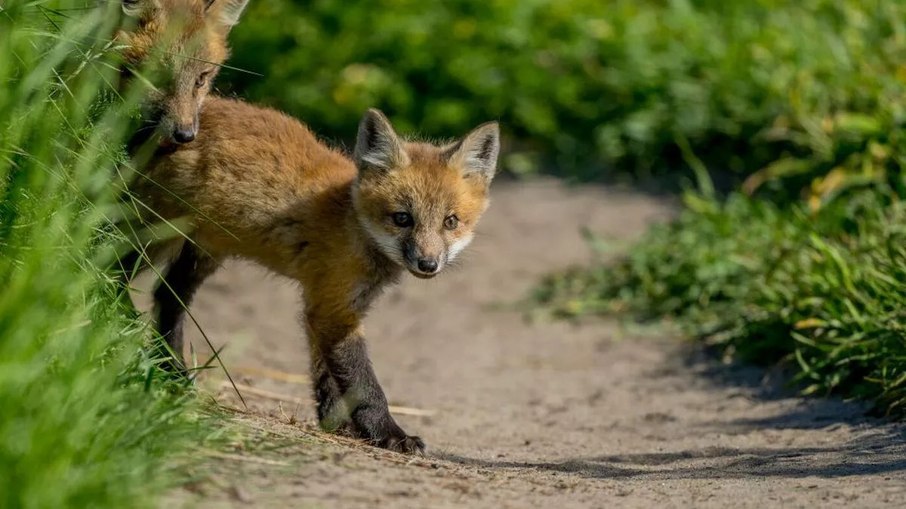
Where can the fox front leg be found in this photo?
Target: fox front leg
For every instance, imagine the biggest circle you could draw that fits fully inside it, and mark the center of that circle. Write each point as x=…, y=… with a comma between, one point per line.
x=347, y=388
x=174, y=294
x=332, y=412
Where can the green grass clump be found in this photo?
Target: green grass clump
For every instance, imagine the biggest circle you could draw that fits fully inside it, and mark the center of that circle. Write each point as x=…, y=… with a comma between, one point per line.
x=597, y=87
x=86, y=419
x=824, y=293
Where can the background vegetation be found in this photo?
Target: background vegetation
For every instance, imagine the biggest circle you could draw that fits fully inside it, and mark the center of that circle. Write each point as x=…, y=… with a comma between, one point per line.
x=588, y=88
x=86, y=419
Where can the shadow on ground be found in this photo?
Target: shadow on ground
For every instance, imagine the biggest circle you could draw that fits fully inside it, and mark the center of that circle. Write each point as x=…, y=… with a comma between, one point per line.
x=875, y=453
x=770, y=384
x=879, y=455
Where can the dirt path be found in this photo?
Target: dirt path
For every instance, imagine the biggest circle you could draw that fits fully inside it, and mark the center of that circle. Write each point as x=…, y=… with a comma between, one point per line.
x=531, y=415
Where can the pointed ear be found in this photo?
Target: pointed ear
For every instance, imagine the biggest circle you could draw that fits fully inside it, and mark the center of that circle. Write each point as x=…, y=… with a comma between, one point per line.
x=228, y=12
x=476, y=154
x=135, y=8
x=377, y=146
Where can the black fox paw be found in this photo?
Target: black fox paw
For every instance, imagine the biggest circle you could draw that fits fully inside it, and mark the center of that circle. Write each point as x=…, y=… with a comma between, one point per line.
x=377, y=427
x=405, y=444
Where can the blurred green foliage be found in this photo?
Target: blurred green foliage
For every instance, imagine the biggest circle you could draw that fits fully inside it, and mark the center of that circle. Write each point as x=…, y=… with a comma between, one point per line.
x=595, y=88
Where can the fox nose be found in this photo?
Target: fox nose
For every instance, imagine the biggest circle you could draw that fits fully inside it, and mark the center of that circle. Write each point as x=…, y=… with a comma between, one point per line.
x=182, y=135
x=427, y=265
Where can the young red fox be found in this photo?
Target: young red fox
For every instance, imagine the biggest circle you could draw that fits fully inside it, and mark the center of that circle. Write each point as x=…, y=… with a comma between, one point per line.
x=186, y=40
x=258, y=184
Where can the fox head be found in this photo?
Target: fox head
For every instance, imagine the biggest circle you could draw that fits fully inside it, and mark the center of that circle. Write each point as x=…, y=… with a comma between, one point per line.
x=186, y=42
x=420, y=202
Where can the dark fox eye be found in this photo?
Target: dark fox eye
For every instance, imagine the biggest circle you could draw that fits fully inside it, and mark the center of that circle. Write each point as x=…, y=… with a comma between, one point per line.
x=402, y=219
x=202, y=79
x=451, y=222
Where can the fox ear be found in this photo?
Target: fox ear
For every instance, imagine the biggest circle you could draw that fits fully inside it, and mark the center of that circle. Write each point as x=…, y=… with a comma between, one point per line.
x=476, y=154
x=377, y=146
x=228, y=11
x=135, y=8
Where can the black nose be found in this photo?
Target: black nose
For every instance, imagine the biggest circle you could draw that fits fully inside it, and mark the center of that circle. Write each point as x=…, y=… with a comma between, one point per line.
x=427, y=265
x=183, y=135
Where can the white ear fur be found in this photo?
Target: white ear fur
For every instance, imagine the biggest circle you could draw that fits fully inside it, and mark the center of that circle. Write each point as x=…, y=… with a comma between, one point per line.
x=229, y=10
x=377, y=145
x=477, y=153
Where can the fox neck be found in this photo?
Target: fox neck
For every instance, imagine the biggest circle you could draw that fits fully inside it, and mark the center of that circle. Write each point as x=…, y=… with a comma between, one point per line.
x=380, y=270
x=374, y=258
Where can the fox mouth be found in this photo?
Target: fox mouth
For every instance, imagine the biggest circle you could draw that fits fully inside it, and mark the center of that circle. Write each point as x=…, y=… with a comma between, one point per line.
x=423, y=275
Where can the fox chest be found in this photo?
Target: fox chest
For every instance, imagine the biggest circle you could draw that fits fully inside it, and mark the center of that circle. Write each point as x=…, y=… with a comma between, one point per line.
x=365, y=286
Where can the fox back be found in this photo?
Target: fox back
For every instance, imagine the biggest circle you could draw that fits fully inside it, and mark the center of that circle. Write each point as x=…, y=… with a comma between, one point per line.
x=185, y=42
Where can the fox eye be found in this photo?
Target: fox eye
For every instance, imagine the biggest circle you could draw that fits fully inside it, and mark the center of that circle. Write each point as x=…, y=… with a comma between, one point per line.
x=402, y=219
x=451, y=222
x=202, y=79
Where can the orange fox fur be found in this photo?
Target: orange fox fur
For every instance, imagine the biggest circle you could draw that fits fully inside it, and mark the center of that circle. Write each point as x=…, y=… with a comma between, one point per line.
x=258, y=184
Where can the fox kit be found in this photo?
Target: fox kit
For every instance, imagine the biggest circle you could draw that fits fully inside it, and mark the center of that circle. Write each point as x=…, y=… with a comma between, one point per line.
x=257, y=184
x=186, y=42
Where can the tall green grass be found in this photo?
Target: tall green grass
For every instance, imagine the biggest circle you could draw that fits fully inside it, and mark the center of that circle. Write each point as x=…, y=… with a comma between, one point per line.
x=86, y=419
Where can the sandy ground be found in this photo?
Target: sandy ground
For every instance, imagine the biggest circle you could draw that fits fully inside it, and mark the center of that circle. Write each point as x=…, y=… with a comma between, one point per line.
x=528, y=414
